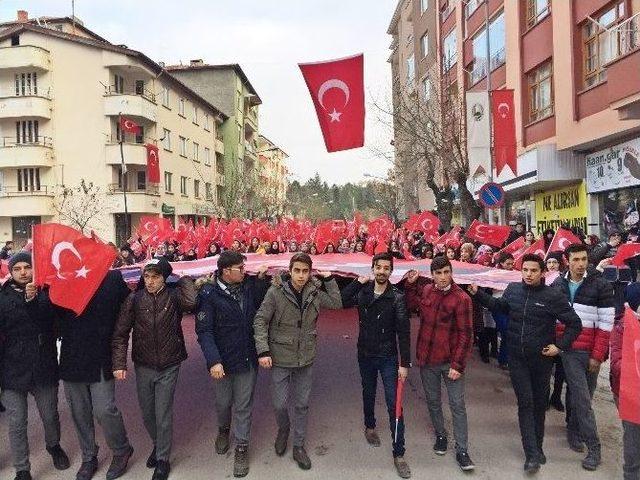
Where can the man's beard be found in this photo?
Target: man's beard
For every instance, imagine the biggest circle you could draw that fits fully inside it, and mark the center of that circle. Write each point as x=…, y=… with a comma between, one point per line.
x=381, y=280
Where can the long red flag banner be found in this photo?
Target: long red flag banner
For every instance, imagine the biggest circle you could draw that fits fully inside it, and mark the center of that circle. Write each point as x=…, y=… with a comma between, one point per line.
x=630, y=369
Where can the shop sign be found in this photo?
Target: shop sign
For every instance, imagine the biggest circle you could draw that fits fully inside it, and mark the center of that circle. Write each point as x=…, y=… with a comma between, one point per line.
x=615, y=167
x=562, y=207
x=168, y=210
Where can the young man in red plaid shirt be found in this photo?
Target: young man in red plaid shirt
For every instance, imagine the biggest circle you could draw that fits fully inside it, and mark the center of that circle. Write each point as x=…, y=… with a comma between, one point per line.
x=445, y=340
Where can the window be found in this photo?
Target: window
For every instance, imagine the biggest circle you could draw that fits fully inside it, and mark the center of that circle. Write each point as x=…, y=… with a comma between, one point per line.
x=183, y=146
x=166, y=139
x=409, y=38
x=196, y=188
x=139, y=87
x=424, y=45
x=139, y=136
x=165, y=96
x=167, y=181
x=207, y=156
x=119, y=84
x=541, y=92
x=537, y=10
x=183, y=185
x=28, y=179
x=196, y=152
x=27, y=131
x=426, y=88
x=181, y=107
x=599, y=47
x=141, y=177
x=424, y=5
x=411, y=70
x=207, y=191
x=26, y=84
x=15, y=40
x=472, y=6
x=496, y=49
x=195, y=115
x=450, y=50
x=206, y=122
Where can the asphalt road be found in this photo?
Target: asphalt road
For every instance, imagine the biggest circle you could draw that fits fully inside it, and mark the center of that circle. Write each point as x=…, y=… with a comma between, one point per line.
x=335, y=435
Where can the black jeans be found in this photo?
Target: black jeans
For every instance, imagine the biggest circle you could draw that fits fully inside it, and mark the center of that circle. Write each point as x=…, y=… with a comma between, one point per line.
x=488, y=343
x=530, y=377
x=388, y=369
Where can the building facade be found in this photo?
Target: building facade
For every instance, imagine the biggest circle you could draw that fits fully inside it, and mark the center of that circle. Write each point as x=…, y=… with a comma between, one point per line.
x=273, y=177
x=62, y=92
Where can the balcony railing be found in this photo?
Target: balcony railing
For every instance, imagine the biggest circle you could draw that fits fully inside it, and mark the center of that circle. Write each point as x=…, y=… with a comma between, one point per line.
x=13, y=191
x=479, y=70
x=444, y=14
x=472, y=6
x=623, y=38
x=38, y=141
x=148, y=190
x=497, y=59
x=144, y=93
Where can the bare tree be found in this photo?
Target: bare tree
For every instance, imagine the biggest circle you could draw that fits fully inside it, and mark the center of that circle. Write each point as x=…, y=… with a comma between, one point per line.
x=79, y=206
x=386, y=199
x=431, y=143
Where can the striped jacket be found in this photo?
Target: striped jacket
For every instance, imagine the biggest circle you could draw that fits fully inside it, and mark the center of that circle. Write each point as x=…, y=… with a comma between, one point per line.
x=594, y=304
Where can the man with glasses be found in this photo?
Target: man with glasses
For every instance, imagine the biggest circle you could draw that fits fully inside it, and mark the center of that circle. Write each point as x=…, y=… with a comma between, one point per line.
x=227, y=304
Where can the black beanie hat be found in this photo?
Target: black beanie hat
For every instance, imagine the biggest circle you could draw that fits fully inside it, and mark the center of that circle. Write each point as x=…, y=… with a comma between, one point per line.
x=159, y=265
x=19, y=257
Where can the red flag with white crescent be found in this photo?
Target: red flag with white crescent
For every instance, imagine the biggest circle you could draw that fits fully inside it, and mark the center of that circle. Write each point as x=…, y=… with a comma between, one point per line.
x=504, y=130
x=630, y=369
x=153, y=163
x=494, y=235
x=337, y=90
x=625, y=252
x=129, y=126
x=561, y=240
x=537, y=248
x=425, y=222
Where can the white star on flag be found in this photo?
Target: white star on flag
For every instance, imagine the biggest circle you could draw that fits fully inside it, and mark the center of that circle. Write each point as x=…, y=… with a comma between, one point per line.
x=82, y=272
x=335, y=116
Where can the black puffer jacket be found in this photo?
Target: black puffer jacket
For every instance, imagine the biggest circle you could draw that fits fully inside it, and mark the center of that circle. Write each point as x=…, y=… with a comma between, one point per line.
x=533, y=312
x=384, y=321
x=28, y=355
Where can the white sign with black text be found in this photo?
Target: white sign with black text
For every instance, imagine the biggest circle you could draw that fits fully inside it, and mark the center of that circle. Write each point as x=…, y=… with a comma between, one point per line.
x=615, y=167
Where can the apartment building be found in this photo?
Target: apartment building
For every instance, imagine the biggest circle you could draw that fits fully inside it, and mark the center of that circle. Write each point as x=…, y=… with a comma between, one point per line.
x=273, y=177
x=62, y=91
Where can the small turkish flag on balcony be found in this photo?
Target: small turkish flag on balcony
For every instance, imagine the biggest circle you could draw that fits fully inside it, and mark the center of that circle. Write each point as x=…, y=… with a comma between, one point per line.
x=337, y=90
x=153, y=164
x=129, y=126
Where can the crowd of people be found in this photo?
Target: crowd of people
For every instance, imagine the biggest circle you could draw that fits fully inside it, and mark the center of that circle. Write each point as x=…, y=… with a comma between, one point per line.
x=244, y=322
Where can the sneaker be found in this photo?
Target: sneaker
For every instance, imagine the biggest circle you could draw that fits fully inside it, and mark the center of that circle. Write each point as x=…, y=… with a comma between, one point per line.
x=402, y=467
x=241, y=461
x=23, y=475
x=440, y=447
x=372, y=437
x=464, y=462
x=152, y=461
x=222, y=441
x=87, y=469
x=162, y=470
x=281, y=441
x=119, y=465
x=531, y=466
x=301, y=458
x=592, y=460
x=60, y=459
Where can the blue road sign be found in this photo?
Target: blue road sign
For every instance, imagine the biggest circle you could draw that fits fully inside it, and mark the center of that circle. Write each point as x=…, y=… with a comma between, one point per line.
x=491, y=195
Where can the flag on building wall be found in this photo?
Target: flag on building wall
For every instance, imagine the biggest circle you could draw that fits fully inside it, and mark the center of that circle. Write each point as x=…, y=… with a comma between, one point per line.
x=337, y=90
x=153, y=163
x=478, y=133
x=129, y=126
x=504, y=130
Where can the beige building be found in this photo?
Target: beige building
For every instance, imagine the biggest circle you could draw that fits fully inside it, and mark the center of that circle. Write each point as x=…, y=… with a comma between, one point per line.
x=62, y=89
x=272, y=175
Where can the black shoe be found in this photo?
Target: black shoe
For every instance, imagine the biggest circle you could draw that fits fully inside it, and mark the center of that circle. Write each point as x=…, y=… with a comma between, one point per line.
x=119, y=465
x=556, y=403
x=60, y=459
x=281, y=441
x=2, y=409
x=87, y=469
x=503, y=366
x=592, y=460
x=464, y=462
x=484, y=359
x=241, y=461
x=152, y=461
x=162, y=470
x=222, y=441
x=542, y=458
x=575, y=443
x=301, y=458
x=440, y=447
x=23, y=475
x=531, y=466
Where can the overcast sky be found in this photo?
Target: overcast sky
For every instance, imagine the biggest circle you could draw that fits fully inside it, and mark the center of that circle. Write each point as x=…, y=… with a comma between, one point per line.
x=268, y=38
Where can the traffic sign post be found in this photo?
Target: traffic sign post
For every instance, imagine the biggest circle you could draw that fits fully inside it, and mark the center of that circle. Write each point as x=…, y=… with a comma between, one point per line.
x=491, y=195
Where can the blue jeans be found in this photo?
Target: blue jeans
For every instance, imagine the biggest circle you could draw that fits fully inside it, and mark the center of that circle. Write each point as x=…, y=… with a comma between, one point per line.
x=501, y=324
x=388, y=369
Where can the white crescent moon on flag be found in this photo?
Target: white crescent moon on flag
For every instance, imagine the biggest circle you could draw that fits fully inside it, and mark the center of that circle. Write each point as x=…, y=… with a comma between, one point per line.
x=564, y=243
x=480, y=231
x=503, y=110
x=328, y=85
x=57, y=251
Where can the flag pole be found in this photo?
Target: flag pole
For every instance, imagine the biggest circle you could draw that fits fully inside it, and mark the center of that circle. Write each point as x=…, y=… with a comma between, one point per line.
x=123, y=178
x=490, y=213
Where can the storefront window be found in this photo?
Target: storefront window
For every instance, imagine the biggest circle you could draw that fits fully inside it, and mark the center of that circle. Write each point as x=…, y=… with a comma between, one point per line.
x=519, y=211
x=620, y=209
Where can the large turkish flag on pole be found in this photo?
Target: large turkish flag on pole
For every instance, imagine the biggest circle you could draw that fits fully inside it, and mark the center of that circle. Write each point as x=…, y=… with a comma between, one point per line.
x=504, y=130
x=494, y=235
x=337, y=90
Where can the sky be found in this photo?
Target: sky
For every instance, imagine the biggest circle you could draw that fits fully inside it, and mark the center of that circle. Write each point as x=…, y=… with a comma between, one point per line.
x=268, y=38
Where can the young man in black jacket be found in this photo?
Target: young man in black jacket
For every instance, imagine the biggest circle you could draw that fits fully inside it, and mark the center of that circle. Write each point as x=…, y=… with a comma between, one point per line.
x=533, y=309
x=28, y=364
x=384, y=325
x=225, y=310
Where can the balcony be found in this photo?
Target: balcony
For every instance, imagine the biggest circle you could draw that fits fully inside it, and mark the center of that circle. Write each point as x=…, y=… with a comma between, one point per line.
x=140, y=104
x=29, y=203
x=31, y=154
x=219, y=146
x=145, y=200
x=249, y=151
x=35, y=106
x=220, y=180
x=623, y=70
x=24, y=57
x=134, y=154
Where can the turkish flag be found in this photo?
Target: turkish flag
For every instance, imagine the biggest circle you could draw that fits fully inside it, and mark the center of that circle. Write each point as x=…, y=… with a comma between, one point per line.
x=129, y=126
x=494, y=235
x=537, y=248
x=504, y=130
x=71, y=264
x=625, y=251
x=561, y=240
x=630, y=369
x=337, y=90
x=153, y=229
x=514, y=246
x=425, y=222
x=153, y=163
